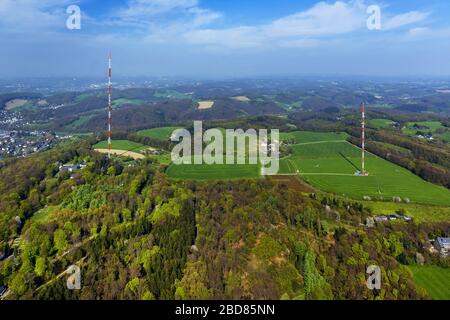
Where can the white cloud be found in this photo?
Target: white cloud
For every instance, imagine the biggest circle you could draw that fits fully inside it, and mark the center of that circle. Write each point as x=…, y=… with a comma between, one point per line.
x=423, y=33
x=239, y=37
x=321, y=19
x=405, y=19
x=139, y=8
x=31, y=16
x=187, y=21
x=297, y=30
x=300, y=43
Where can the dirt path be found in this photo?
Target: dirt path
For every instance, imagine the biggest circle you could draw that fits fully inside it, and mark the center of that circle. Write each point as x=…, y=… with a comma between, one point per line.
x=125, y=153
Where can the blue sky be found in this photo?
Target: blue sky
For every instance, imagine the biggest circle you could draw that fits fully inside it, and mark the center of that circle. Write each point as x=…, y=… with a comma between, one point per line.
x=225, y=38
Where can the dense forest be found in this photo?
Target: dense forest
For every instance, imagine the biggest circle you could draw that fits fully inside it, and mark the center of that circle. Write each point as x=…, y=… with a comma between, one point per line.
x=138, y=235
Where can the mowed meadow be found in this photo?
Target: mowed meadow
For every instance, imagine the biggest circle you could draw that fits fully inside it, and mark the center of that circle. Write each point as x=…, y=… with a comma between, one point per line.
x=435, y=280
x=329, y=164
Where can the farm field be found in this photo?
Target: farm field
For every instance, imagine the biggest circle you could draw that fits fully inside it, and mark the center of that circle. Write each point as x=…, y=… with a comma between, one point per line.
x=435, y=280
x=208, y=104
x=330, y=166
x=15, y=103
x=162, y=133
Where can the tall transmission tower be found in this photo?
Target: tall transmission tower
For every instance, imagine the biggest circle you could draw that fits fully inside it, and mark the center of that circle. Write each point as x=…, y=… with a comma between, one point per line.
x=109, y=106
x=363, y=140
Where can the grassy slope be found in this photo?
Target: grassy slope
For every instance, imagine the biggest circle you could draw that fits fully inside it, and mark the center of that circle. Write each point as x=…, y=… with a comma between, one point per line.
x=330, y=166
x=120, y=145
x=435, y=280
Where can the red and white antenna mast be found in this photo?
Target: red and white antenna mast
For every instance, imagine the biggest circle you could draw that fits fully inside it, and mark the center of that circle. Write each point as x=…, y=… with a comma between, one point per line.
x=363, y=139
x=109, y=106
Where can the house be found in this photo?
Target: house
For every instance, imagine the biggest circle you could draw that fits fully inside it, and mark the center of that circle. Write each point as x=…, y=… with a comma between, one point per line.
x=69, y=167
x=443, y=246
x=381, y=218
x=370, y=222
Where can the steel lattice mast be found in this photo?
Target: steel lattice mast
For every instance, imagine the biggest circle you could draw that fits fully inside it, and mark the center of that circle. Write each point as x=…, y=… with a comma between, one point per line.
x=109, y=106
x=363, y=138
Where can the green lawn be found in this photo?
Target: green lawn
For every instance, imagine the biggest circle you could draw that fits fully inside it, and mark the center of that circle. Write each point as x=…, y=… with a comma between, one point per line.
x=120, y=145
x=330, y=166
x=380, y=123
x=163, y=133
x=435, y=280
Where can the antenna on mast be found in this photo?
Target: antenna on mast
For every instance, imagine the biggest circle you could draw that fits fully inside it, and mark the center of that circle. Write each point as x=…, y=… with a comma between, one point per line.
x=363, y=172
x=363, y=139
x=109, y=106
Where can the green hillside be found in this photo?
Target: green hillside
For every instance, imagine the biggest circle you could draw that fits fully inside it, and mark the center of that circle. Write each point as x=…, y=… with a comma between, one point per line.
x=330, y=166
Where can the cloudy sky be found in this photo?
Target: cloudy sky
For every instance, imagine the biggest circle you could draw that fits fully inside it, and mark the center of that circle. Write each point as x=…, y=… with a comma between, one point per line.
x=225, y=38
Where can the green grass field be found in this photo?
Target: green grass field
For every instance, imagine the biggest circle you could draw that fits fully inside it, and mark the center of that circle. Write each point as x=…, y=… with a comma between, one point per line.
x=330, y=166
x=328, y=162
x=120, y=145
x=213, y=172
x=435, y=280
x=380, y=123
x=163, y=133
